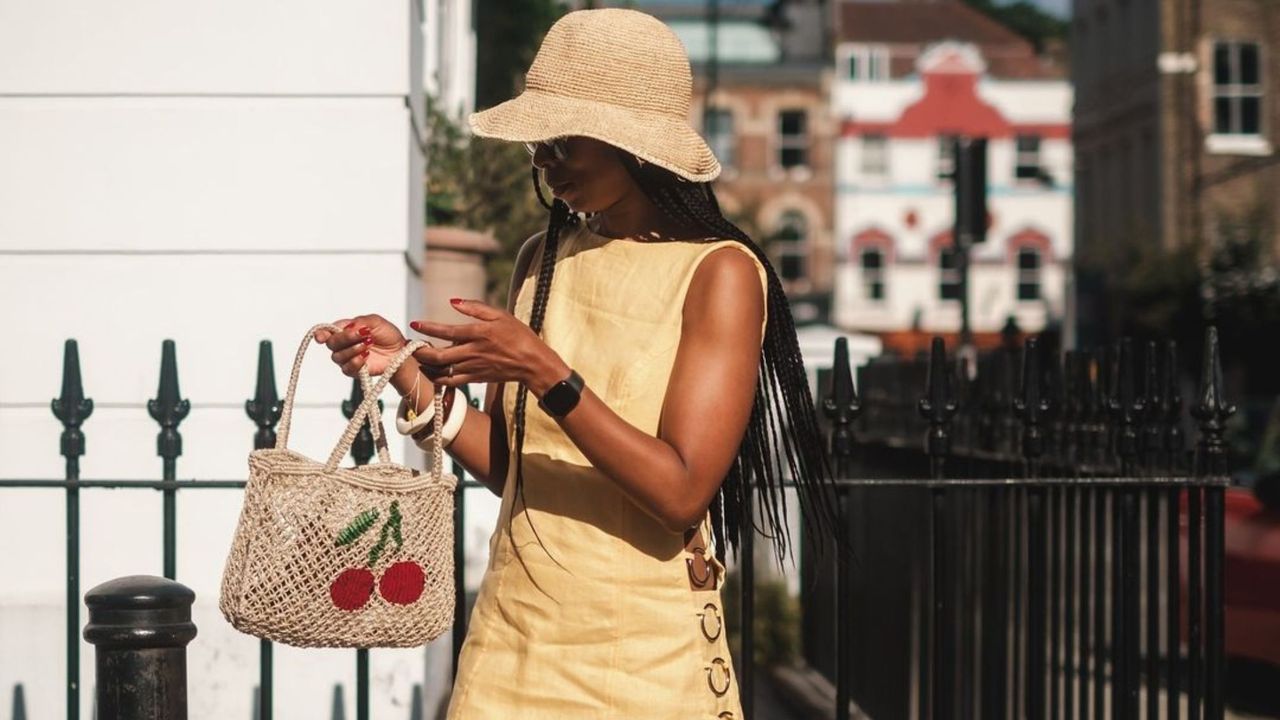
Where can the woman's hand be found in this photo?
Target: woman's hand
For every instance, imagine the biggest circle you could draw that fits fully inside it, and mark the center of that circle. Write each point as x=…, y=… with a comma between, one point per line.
x=368, y=340
x=496, y=348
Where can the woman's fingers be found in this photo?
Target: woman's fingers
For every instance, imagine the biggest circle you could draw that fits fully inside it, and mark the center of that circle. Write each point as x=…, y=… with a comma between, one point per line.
x=441, y=356
x=322, y=335
x=456, y=333
x=351, y=367
x=353, y=350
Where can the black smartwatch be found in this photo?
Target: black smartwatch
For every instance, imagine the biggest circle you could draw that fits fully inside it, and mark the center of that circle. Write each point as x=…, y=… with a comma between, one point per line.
x=563, y=396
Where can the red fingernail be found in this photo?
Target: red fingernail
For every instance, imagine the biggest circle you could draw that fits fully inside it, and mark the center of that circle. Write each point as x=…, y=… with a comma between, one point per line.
x=364, y=354
x=455, y=301
x=368, y=341
x=348, y=326
x=364, y=332
x=414, y=324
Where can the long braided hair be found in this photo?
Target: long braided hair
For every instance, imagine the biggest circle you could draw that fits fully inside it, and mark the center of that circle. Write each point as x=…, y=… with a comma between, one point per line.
x=783, y=415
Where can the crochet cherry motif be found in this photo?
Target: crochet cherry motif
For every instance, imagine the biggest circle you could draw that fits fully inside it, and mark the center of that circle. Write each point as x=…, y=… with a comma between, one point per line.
x=401, y=583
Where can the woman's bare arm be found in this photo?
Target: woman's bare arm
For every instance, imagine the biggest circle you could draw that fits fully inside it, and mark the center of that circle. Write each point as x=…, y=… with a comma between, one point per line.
x=708, y=401
x=481, y=444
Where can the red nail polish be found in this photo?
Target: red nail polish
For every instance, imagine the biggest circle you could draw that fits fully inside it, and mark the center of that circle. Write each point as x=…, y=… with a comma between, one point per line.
x=364, y=354
x=414, y=324
x=455, y=301
x=368, y=341
x=364, y=332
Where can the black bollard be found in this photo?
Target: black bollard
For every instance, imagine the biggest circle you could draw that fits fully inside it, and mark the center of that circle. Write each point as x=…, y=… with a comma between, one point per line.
x=140, y=626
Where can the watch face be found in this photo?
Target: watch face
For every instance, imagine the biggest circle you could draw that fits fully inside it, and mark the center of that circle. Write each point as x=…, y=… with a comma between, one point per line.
x=560, y=399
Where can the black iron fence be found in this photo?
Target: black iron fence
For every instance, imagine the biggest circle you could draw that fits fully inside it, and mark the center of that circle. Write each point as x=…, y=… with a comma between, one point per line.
x=1028, y=563
x=1032, y=537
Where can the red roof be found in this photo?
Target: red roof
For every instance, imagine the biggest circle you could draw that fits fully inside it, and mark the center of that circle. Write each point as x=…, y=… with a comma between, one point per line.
x=922, y=22
x=1006, y=53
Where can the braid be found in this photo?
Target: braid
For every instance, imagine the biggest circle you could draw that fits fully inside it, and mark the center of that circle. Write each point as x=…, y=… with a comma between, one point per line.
x=561, y=216
x=783, y=415
x=782, y=391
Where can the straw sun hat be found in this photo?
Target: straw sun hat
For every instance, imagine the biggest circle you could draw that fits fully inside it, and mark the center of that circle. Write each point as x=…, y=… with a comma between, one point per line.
x=619, y=76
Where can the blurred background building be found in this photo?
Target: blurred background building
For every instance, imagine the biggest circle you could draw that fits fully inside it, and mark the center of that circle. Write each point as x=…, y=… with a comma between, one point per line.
x=910, y=78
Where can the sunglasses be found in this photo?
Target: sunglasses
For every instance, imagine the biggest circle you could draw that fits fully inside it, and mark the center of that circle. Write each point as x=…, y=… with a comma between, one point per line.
x=559, y=147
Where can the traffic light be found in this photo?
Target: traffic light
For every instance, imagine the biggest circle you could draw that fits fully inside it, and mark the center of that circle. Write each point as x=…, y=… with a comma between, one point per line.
x=970, y=189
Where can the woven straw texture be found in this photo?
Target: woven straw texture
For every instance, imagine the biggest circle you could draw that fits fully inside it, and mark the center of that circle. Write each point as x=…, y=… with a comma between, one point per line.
x=616, y=75
x=354, y=557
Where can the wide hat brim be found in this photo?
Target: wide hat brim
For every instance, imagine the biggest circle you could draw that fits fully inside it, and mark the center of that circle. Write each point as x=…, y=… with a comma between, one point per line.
x=661, y=139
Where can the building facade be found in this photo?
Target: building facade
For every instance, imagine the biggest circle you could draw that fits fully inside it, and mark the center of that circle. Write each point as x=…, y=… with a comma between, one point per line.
x=762, y=102
x=1175, y=129
x=910, y=78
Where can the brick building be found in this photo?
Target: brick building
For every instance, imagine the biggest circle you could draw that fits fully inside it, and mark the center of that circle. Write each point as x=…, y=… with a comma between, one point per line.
x=1175, y=128
x=768, y=120
x=909, y=77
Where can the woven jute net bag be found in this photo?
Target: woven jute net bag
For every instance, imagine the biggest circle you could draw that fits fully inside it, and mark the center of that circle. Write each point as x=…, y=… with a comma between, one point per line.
x=353, y=557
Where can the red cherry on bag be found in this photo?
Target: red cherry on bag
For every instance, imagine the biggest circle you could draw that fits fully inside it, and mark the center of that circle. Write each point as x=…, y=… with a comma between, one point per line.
x=402, y=583
x=352, y=589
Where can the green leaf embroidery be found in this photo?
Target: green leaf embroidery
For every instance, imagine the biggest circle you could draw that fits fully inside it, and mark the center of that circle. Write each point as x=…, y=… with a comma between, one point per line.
x=358, y=527
x=376, y=551
x=394, y=521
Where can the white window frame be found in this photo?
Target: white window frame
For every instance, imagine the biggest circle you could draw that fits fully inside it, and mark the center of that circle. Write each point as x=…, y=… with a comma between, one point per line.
x=1235, y=91
x=798, y=248
x=1028, y=159
x=945, y=160
x=792, y=142
x=873, y=276
x=948, y=275
x=728, y=160
x=866, y=63
x=874, y=157
x=1028, y=276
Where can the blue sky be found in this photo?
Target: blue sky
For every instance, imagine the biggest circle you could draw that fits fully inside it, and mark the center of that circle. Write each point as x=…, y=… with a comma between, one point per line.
x=1061, y=8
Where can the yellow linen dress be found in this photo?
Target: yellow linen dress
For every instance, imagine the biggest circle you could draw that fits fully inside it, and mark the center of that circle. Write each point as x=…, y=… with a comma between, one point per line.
x=599, y=620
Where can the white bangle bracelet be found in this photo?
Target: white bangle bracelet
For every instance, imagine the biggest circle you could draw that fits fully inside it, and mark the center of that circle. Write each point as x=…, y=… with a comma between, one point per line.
x=453, y=423
x=404, y=426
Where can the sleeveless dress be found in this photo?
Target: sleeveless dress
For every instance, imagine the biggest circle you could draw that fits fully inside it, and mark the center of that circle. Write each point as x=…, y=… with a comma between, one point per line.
x=596, y=617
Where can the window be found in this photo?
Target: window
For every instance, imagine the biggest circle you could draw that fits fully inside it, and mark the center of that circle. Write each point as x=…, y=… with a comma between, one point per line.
x=946, y=157
x=868, y=63
x=1028, y=274
x=793, y=139
x=873, y=273
x=790, y=244
x=1237, y=88
x=948, y=275
x=1027, y=158
x=717, y=125
x=875, y=156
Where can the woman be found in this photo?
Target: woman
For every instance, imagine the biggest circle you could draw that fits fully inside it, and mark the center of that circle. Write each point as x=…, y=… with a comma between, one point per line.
x=660, y=351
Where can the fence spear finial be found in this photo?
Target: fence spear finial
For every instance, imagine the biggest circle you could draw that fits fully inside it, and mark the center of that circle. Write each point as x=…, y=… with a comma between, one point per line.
x=1033, y=405
x=841, y=404
x=938, y=405
x=72, y=408
x=1212, y=410
x=168, y=408
x=264, y=409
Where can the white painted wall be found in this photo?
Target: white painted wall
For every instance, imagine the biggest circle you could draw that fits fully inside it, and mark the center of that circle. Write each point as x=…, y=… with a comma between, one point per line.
x=216, y=174
x=449, y=40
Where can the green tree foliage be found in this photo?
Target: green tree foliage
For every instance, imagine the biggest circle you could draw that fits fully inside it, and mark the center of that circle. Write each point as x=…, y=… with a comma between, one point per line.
x=507, y=37
x=483, y=185
x=1026, y=19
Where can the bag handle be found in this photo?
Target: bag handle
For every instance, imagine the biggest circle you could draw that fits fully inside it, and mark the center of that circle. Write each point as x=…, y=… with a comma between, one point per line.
x=367, y=407
x=370, y=408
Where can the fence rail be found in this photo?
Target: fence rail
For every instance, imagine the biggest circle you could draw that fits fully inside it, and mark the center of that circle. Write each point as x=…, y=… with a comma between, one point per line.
x=1030, y=557
x=1016, y=563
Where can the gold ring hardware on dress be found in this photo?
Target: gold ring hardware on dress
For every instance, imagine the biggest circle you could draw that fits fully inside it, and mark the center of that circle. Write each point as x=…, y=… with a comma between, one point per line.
x=710, y=609
x=701, y=575
x=711, y=676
